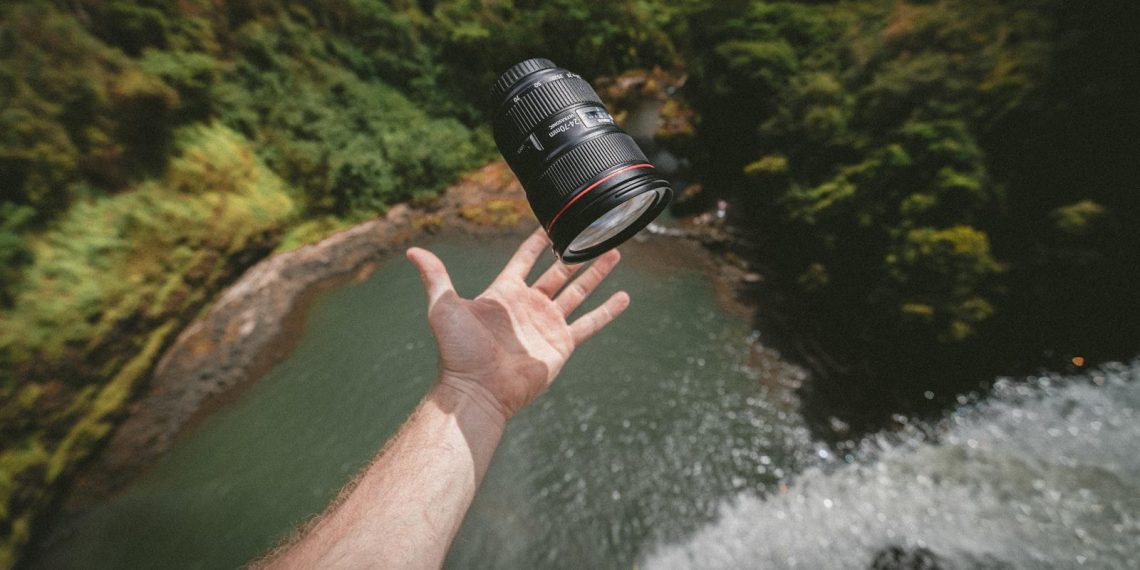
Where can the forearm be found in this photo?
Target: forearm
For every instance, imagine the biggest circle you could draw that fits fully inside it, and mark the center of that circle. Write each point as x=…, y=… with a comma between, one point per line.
x=407, y=506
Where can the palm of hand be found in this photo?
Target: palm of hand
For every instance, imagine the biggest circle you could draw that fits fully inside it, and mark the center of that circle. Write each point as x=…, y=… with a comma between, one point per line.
x=513, y=339
x=507, y=331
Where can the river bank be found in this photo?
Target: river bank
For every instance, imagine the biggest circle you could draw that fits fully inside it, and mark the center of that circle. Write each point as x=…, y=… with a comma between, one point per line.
x=663, y=412
x=256, y=322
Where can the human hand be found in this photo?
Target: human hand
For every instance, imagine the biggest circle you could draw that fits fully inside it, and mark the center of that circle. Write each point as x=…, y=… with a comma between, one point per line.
x=506, y=346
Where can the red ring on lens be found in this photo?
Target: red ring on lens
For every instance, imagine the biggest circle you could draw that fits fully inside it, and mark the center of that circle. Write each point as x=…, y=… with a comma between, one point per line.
x=550, y=226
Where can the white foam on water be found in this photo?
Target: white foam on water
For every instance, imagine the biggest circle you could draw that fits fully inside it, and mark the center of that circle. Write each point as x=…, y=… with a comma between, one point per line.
x=1042, y=474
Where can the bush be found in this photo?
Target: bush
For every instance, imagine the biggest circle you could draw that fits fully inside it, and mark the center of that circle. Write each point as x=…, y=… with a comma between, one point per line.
x=111, y=282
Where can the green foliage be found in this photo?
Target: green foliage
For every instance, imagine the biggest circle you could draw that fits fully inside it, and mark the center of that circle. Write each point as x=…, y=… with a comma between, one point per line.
x=111, y=282
x=352, y=146
x=946, y=269
x=14, y=252
x=75, y=112
x=192, y=74
x=922, y=177
x=1080, y=219
x=106, y=253
x=445, y=54
x=892, y=157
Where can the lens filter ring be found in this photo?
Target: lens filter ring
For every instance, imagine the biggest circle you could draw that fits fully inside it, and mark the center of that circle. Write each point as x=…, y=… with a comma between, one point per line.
x=595, y=205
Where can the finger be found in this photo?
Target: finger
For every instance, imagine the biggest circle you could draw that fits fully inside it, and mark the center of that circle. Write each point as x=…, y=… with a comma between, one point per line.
x=580, y=288
x=523, y=260
x=555, y=277
x=592, y=322
x=432, y=273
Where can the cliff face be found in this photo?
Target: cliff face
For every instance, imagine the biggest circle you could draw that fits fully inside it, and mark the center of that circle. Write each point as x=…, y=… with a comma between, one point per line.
x=939, y=191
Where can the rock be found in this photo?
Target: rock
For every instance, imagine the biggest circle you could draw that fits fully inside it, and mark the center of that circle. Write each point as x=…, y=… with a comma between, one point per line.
x=250, y=325
x=900, y=558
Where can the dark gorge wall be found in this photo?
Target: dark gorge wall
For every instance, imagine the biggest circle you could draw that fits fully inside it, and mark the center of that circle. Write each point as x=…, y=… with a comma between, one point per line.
x=939, y=191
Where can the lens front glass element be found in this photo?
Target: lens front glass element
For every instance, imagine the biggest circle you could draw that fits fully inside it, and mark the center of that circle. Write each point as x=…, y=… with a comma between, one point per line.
x=614, y=221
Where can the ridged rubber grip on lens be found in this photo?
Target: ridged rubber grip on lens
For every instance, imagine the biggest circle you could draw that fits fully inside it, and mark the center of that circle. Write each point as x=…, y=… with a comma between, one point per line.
x=539, y=104
x=584, y=162
x=516, y=72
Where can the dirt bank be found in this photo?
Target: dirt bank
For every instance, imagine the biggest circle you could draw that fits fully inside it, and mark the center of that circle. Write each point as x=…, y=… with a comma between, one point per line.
x=256, y=322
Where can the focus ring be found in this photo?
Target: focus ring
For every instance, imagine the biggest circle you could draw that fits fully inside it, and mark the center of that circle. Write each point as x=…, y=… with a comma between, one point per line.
x=516, y=72
x=584, y=162
x=550, y=98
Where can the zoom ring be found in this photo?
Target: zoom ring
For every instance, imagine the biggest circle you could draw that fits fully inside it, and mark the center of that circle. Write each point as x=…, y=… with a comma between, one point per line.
x=586, y=161
x=516, y=72
x=541, y=103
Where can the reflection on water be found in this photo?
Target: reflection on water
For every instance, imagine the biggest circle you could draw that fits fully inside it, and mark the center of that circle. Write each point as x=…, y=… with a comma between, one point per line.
x=1041, y=475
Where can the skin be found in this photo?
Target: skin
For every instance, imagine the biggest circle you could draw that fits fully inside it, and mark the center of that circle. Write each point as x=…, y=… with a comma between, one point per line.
x=498, y=352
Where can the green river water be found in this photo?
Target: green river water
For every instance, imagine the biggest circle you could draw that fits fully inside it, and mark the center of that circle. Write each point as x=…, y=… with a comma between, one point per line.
x=658, y=447
x=626, y=448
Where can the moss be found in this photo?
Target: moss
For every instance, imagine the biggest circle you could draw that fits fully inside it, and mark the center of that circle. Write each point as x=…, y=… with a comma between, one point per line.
x=15, y=464
x=311, y=231
x=921, y=310
x=98, y=421
x=111, y=282
x=1080, y=219
x=21, y=471
x=677, y=123
x=767, y=165
x=17, y=537
x=110, y=259
x=495, y=213
x=427, y=222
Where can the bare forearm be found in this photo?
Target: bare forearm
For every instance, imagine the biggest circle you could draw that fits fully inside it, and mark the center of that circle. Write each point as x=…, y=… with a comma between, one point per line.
x=498, y=352
x=409, y=503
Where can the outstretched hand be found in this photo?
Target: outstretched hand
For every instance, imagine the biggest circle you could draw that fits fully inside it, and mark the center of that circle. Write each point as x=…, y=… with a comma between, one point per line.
x=505, y=347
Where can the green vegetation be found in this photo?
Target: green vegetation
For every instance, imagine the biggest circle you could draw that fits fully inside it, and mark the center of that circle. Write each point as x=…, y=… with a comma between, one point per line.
x=150, y=151
x=113, y=280
x=944, y=184
x=938, y=187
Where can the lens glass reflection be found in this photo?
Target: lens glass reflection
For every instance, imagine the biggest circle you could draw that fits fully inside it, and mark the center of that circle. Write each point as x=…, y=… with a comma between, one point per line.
x=614, y=221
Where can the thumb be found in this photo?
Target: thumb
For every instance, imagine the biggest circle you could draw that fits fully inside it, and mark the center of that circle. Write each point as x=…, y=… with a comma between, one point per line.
x=432, y=273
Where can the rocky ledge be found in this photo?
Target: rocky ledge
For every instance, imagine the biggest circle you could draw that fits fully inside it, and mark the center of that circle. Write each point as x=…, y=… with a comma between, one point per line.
x=255, y=322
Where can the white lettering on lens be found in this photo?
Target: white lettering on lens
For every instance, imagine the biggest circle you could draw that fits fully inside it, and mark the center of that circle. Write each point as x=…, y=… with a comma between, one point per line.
x=563, y=127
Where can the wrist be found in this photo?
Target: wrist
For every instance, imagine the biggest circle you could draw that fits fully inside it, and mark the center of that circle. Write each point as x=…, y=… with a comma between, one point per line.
x=462, y=394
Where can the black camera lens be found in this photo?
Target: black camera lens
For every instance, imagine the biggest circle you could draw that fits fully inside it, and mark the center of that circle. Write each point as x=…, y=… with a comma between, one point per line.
x=587, y=181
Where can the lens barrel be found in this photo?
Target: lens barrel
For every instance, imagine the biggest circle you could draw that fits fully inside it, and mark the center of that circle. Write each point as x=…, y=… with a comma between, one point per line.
x=587, y=181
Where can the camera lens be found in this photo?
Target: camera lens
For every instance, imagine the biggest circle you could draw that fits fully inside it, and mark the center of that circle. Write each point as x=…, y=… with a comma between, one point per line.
x=587, y=181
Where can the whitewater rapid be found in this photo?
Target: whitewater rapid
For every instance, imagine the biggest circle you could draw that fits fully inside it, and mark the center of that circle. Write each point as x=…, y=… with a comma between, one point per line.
x=1043, y=473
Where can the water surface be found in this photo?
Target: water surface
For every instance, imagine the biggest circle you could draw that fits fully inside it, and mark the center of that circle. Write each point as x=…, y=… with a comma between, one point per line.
x=1043, y=474
x=657, y=447
x=650, y=427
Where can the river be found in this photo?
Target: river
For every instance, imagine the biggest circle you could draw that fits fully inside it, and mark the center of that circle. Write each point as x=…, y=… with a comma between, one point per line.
x=659, y=446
